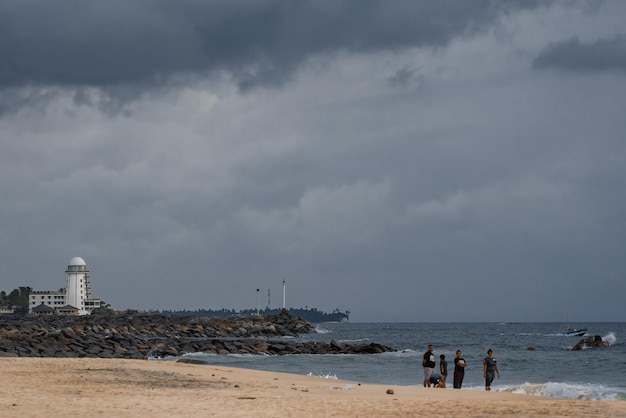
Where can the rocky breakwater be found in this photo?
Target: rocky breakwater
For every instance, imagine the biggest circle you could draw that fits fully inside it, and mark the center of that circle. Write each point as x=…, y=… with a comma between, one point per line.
x=140, y=336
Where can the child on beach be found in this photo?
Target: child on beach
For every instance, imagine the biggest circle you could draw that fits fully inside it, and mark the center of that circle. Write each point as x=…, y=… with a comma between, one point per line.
x=443, y=369
x=437, y=380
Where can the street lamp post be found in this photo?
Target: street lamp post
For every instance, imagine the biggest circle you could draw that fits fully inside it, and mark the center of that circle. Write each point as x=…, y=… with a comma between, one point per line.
x=257, y=302
x=283, y=294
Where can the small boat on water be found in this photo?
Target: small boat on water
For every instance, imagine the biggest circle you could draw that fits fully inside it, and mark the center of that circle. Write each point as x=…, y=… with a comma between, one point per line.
x=579, y=332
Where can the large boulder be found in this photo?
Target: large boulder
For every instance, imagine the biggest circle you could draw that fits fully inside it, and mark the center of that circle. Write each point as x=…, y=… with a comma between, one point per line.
x=594, y=341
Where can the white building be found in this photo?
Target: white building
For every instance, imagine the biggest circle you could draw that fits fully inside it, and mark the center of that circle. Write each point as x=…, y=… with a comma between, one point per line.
x=74, y=298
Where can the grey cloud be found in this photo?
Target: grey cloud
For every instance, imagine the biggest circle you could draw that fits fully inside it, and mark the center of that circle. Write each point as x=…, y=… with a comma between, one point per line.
x=258, y=43
x=406, y=77
x=573, y=55
x=15, y=98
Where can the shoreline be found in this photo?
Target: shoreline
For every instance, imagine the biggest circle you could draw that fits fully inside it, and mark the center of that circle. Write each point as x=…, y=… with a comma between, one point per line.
x=59, y=387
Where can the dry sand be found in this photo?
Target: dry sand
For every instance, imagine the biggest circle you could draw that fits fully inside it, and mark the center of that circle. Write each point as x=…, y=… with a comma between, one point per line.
x=46, y=387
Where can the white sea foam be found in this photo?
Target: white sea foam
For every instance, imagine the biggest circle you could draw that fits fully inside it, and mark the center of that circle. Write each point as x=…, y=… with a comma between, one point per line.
x=611, y=338
x=567, y=391
x=323, y=375
x=321, y=330
x=355, y=340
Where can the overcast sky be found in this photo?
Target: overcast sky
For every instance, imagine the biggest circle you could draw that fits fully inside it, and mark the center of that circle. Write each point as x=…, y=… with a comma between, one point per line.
x=406, y=161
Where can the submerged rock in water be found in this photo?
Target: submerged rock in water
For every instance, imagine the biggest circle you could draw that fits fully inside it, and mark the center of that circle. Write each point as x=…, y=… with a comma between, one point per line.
x=594, y=341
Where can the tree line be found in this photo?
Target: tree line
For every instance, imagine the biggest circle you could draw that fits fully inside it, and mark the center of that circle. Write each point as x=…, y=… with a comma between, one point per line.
x=17, y=299
x=313, y=315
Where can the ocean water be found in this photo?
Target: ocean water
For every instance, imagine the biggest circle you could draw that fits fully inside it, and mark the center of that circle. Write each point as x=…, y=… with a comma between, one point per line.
x=551, y=369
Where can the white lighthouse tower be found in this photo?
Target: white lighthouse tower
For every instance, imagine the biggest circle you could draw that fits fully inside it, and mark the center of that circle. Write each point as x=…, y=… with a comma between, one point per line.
x=77, y=288
x=74, y=299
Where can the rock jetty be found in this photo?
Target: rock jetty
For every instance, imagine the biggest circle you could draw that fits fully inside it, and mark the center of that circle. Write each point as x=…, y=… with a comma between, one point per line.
x=140, y=336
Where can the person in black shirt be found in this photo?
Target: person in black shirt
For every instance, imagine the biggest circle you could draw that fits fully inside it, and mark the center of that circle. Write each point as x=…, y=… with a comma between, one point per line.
x=459, y=370
x=429, y=365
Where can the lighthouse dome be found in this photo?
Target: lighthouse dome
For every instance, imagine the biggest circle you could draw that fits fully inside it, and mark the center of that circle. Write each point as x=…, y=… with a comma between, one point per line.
x=77, y=261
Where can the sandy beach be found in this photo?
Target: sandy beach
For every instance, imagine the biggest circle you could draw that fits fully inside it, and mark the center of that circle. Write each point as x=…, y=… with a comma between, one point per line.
x=53, y=387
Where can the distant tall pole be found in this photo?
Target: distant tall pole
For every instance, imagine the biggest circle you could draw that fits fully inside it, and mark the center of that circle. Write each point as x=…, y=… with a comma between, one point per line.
x=257, y=302
x=283, y=294
x=269, y=304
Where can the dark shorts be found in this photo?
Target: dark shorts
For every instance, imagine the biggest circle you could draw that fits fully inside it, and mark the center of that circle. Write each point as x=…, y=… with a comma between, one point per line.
x=489, y=376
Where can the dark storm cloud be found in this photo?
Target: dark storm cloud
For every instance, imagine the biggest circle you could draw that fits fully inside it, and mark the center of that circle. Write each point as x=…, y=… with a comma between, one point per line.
x=573, y=55
x=411, y=166
x=92, y=43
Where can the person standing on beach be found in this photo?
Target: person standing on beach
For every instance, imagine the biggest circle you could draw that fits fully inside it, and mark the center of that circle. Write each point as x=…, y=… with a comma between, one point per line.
x=429, y=365
x=490, y=368
x=443, y=369
x=459, y=370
